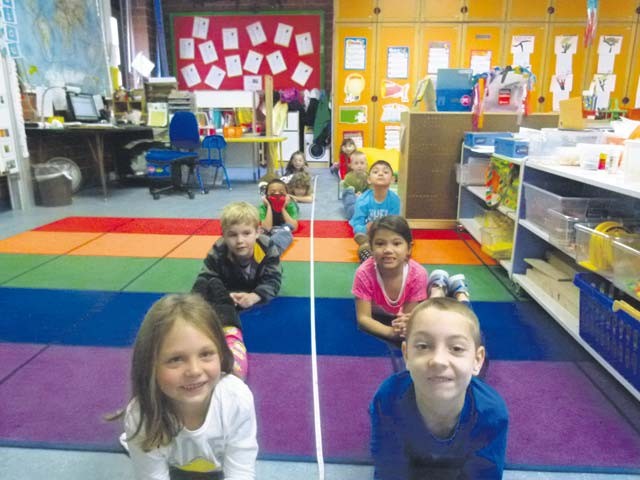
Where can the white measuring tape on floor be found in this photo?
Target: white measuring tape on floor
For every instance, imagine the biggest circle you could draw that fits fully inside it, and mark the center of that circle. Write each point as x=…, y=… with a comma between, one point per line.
x=314, y=353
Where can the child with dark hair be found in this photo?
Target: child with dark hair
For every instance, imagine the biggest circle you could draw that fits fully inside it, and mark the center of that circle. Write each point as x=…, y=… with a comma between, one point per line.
x=390, y=284
x=437, y=419
x=341, y=167
x=374, y=203
x=297, y=164
x=279, y=214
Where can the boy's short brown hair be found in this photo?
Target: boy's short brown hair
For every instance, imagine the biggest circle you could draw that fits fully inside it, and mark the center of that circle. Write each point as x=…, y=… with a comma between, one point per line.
x=239, y=212
x=447, y=304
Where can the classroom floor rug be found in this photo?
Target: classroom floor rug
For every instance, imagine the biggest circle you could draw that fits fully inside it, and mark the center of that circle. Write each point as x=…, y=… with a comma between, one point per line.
x=73, y=293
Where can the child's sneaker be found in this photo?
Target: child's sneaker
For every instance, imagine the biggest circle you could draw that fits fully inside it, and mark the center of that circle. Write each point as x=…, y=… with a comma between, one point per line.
x=458, y=288
x=364, y=253
x=262, y=186
x=438, y=284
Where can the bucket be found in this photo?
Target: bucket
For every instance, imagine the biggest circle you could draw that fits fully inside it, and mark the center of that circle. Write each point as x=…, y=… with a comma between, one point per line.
x=631, y=162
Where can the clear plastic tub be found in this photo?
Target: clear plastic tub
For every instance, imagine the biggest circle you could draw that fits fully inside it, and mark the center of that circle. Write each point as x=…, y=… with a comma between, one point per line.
x=497, y=241
x=545, y=146
x=594, y=244
x=561, y=228
x=626, y=266
x=539, y=201
x=472, y=173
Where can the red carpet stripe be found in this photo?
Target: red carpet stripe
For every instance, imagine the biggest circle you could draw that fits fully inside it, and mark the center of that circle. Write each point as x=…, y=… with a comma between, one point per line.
x=85, y=224
x=162, y=226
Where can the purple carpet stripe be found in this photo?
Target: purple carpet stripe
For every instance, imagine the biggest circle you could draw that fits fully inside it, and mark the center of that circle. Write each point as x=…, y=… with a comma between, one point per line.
x=558, y=418
x=12, y=355
x=281, y=386
x=61, y=396
x=347, y=385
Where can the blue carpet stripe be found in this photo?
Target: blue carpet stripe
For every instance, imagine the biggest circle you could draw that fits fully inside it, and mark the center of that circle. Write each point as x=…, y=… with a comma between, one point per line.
x=513, y=331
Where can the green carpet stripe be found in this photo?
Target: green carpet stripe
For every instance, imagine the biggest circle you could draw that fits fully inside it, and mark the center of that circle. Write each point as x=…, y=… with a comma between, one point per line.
x=83, y=273
x=169, y=275
x=14, y=265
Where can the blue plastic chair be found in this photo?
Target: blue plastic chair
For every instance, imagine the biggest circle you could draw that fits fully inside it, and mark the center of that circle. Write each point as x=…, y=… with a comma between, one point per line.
x=216, y=147
x=164, y=164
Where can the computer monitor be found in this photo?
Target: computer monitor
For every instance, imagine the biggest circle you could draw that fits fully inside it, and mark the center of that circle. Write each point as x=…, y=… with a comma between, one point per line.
x=83, y=107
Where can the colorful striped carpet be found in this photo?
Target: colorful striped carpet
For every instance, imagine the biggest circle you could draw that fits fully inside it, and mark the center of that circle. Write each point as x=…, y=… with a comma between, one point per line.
x=73, y=293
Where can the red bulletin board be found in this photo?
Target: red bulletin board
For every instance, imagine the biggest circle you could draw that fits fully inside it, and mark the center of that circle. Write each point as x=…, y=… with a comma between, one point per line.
x=182, y=27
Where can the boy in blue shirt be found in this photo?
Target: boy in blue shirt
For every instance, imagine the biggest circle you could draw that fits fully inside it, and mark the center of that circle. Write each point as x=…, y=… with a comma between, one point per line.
x=374, y=203
x=437, y=420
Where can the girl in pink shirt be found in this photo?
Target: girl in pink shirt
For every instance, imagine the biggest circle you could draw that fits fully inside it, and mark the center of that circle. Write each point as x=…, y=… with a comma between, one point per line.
x=390, y=284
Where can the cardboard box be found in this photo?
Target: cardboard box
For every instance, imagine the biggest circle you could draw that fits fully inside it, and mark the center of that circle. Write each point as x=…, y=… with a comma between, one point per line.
x=454, y=90
x=511, y=147
x=475, y=139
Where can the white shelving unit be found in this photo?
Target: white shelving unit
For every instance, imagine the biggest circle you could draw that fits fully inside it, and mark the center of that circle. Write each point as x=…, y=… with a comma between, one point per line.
x=471, y=198
x=532, y=241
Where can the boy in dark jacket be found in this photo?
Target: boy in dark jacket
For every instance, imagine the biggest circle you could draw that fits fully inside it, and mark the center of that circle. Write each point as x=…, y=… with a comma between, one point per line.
x=241, y=269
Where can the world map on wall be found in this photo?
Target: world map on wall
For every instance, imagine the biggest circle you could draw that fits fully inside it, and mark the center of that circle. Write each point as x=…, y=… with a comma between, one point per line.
x=62, y=43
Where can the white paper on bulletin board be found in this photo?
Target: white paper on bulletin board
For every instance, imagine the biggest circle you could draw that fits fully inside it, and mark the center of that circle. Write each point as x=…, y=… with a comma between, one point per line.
x=355, y=53
x=398, y=62
x=606, y=62
x=200, y=28
x=208, y=52
x=302, y=73
x=215, y=77
x=304, y=44
x=187, y=50
x=252, y=83
x=256, y=33
x=230, y=38
x=190, y=75
x=234, y=65
x=438, y=56
x=253, y=61
x=276, y=62
x=283, y=35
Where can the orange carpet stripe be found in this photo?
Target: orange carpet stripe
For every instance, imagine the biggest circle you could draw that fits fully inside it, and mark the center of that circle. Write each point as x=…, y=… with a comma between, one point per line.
x=142, y=245
x=195, y=247
x=46, y=243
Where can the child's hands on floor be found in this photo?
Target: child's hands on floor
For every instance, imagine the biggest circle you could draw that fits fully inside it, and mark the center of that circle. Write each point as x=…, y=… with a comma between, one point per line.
x=244, y=299
x=399, y=324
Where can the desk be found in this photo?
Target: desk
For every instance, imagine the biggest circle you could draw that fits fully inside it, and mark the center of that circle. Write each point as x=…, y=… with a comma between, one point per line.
x=94, y=136
x=256, y=140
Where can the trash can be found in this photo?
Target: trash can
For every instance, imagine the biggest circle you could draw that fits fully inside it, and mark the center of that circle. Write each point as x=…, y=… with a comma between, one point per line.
x=52, y=185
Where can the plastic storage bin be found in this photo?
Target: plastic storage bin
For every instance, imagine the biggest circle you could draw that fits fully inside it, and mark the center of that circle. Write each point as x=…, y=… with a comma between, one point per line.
x=539, y=201
x=53, y=185
x=497, y=241
x=475, y=139
x=512, y=147
x=626, y=266
x=472, y=173
x=594, y=244
x=614, y=335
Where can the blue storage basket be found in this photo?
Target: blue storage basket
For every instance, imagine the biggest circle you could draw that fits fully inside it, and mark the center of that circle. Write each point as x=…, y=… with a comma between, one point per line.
x=614, y=335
